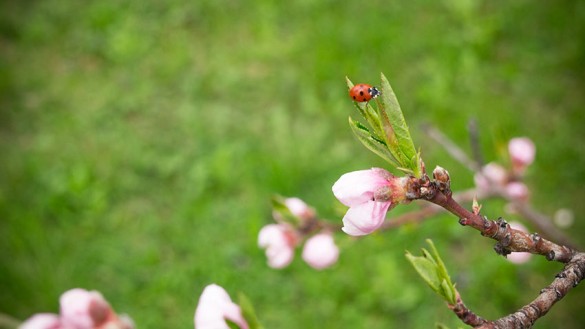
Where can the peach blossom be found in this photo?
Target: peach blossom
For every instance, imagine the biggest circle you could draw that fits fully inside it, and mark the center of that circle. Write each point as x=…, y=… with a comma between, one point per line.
x=320, y=251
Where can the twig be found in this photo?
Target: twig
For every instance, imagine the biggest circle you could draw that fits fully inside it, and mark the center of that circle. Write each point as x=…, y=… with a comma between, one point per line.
x=466, y=315
x=542, y=222
x=572, y=274
x=509, y=240
x=475, y=145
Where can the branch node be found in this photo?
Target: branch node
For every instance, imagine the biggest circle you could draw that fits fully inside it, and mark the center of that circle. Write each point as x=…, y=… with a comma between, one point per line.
x=463, y=221
x=550, y=255
x=501, y=250
x=502, y=222
x=536, y=239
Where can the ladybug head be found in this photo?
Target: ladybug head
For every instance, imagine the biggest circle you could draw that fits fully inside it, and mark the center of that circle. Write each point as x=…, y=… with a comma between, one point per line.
x=374, y=92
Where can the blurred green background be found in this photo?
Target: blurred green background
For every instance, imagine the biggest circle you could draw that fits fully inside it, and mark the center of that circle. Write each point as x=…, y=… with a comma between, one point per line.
x=141, y=143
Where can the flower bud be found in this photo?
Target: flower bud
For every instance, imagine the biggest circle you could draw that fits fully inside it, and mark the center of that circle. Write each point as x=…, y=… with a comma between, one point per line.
x=369, y=194
x=320, y=251
x=84, y=309
x=441, y=176
x=299, y=208
x=491, y=173
x=214, y=307
x=517, y=191
x=279, y=240
x=522, y=152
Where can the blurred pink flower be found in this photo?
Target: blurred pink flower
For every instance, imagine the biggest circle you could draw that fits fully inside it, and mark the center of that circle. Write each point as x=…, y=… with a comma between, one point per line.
x=491, y=173
x=369, y=194
x=215, y=307
x=42, y=321
x=517, y=191
x=320, y=251
x=279, y=240
x=82, y=309
x=519, y=257
x=299, y=208
x=522, y=152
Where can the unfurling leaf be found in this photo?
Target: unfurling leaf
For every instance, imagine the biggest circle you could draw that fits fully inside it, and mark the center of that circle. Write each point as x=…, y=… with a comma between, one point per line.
x=388, y=136
x=248, y=312
x=371, y=142
x=432, y=270
x=396, y=118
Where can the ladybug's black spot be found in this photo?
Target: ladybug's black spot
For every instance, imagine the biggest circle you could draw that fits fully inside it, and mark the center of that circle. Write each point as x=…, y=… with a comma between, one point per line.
x=361, y=92
x=354, y=98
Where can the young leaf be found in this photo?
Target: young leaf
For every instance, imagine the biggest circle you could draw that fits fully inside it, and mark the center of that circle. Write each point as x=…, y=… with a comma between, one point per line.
x=248, y=312
x=427, y=270
x=432, y=270
x=372, y=143
x=280, y=207
x=396, y=120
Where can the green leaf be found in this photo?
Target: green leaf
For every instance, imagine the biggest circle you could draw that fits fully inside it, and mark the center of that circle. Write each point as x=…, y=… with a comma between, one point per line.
x=280, y=207
x=370, y=115
x=448, y=292
x=410, y=158
x=371, y=142
x=431, y=268
x=427, y=270
x=248, y=312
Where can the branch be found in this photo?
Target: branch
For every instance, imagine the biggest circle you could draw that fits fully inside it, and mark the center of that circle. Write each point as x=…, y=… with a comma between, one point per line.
x=572, y=274
x=542, y=222
x=465, y=314
x=509, y=240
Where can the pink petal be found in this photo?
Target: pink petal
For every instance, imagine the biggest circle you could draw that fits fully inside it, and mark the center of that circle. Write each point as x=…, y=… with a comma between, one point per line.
x=42, y=321
x=518, y=191
x=215, y=305
x=358, y=187
x=82, y=309
x=297, y=207
x=320, y=251
x=365, y=218
x=279, y=242
x=522, y=151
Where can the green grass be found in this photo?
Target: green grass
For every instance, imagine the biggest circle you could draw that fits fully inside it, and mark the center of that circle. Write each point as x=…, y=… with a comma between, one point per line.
x=141, y=143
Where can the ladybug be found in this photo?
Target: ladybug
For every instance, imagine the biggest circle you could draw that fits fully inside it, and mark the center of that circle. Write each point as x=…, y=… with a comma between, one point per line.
x=363, y=92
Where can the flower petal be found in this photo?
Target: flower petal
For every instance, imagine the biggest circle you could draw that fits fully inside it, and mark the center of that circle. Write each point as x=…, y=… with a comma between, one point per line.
x=320, y=251
x=42, y=321
x=522, y=151
x=358, y=187
x=215, y=305
x=365, y=218
x=279, y=242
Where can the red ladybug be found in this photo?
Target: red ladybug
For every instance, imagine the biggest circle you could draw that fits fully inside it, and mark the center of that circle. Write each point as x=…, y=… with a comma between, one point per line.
x=363, y=92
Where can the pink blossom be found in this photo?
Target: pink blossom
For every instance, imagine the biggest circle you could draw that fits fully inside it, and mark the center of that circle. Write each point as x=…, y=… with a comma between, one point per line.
x=82, y=309
x=299, y=208
x=320, y=251
x=491, y=173
x=369, y=194
x=279, y=241
x=215, y=307
x=42, y=321
x=517, y=191
x=519, y=257
x=522, y=152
